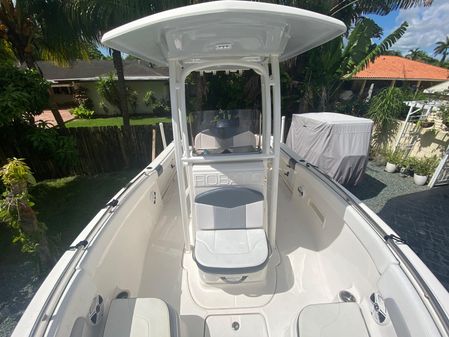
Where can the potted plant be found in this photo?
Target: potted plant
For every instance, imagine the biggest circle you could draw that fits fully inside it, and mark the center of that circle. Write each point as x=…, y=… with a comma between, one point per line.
x=405, y=164
x=393, y=159
x=425, y=123
x=445, y=115
x=423, y=168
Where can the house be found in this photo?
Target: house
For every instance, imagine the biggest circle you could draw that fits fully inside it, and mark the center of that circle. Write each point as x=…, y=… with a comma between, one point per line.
x=139, y=76
x=397, y=71
x=441, y=88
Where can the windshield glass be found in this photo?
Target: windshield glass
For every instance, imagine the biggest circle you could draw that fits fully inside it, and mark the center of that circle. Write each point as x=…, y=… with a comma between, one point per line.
x=223, y=113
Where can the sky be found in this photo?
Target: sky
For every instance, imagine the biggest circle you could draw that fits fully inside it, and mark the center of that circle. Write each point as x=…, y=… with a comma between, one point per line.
x=427, y=25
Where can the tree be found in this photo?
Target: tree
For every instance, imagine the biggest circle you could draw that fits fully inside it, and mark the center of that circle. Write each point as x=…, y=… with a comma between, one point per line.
x=325, y=66
x=40, y=30
x=350, y=11
x=107, y=88
x=442, y=48
x=384, y=110
x=415, y=54
x=6, y=54
x=314, y=77
x=392, y=53
x=94, y=54
x=96, y=17
x=23, y=94
x=369, y=53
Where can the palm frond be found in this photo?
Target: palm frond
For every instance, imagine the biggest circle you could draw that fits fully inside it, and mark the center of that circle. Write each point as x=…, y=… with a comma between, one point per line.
x=380, y=48
x=442, y=48
x=384, y=7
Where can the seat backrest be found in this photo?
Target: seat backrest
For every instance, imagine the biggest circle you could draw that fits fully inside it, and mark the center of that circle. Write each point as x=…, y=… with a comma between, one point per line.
x=246, y=138
x=229, y=208
x=208, y=140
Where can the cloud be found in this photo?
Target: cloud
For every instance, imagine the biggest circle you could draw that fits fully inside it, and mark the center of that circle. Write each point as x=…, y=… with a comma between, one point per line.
x=427, y=25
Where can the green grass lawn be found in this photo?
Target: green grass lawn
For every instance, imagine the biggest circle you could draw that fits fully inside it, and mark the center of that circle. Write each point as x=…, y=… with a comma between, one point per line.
x=115, y=121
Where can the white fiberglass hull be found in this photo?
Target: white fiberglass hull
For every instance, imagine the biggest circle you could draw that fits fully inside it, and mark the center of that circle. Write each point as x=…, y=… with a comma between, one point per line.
x=325, y=243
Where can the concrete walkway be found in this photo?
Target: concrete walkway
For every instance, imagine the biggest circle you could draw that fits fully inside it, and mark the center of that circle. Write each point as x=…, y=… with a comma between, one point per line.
x=47, y=116
x=418, y=214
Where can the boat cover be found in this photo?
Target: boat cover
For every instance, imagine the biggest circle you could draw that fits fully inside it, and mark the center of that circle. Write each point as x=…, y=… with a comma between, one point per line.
x=338, y=144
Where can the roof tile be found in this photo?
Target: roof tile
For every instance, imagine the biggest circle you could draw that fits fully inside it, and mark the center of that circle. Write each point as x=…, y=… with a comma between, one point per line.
x=400, y=68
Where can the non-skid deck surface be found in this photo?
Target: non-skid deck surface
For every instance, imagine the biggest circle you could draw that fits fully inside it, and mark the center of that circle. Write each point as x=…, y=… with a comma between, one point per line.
x=298, y=281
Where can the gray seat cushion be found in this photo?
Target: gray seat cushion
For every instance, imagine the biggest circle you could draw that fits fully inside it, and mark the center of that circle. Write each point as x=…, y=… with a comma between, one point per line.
x=332, y=320
x=231, y=251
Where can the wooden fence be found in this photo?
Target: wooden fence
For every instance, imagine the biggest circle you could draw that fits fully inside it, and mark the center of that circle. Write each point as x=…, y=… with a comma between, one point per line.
x=99, y=150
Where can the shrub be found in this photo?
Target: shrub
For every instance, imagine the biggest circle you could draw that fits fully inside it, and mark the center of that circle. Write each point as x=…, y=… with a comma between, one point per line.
x=82, y=112
x=424, y=166
x=23, y=94
x=445, y=114
x=161, y=108
x=353, y=107
x=149, y=99
x=108, y=90
x=16, y=210
x=394, y=157
x=81, y=98
x=384, y=110
x=52, y=145
x=158, y=107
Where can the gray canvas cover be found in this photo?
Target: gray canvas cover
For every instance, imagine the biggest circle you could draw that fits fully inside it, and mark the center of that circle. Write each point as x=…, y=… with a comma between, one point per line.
x=338, y=144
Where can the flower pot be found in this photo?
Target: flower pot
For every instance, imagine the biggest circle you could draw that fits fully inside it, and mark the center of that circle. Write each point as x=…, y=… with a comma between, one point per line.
x=426, y=124
x=419, y=180
x=390, y=168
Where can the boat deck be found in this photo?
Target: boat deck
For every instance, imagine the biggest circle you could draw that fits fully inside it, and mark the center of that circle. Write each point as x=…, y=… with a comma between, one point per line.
x=170, y=275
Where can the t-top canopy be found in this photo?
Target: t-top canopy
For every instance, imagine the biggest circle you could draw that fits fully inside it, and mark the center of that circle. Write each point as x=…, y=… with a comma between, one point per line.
x=224, y=30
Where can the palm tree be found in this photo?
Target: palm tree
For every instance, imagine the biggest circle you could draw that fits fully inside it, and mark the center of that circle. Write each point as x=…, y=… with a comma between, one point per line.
x=442, y=49
x=96, y=17
x=319, y=71
x=325, y=66
x=349, y=11
x=414, y=54
x=40, y=30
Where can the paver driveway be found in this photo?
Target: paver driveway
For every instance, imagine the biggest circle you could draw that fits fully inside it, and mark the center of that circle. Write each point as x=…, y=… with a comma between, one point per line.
x=422, y=219
x=418, y=214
